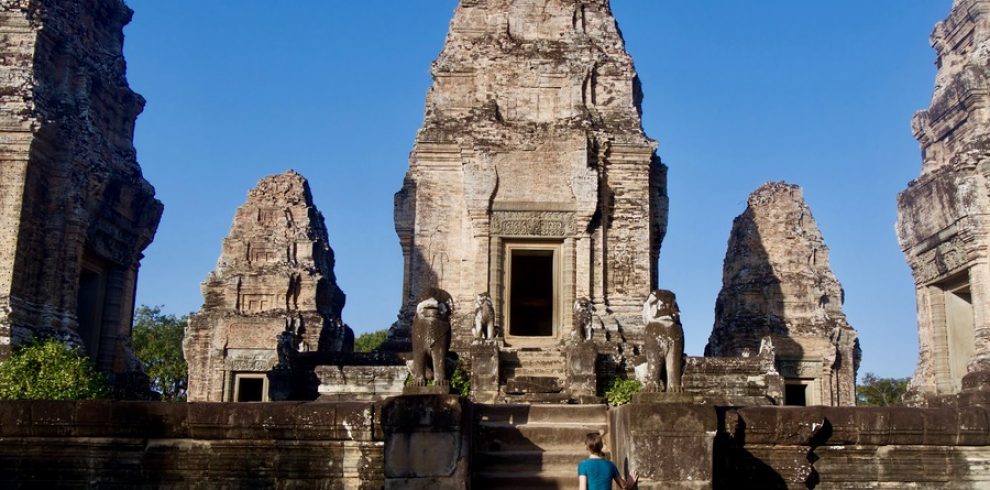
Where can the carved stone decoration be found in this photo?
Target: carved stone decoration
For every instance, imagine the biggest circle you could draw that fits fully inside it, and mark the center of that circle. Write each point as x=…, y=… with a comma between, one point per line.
x=777, y=285
x=584, y=319
x=274, y=280
x=431, y=337
x=484, y=317
x=943, y=216
x=664, y=343
x=75, y=211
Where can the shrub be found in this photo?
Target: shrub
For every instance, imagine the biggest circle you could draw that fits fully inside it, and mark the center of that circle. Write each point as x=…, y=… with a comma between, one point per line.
x=460, y=381
x=370, y=341
x=50, y=370
x=621, y=391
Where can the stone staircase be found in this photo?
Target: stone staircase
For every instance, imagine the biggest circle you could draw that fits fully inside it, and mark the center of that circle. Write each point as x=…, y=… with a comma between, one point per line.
x=533, y=375
x=518, y=446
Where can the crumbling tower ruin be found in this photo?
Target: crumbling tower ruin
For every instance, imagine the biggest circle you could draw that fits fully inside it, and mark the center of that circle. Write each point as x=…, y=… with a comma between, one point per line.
x=531, y=178
x=75, y=212
x=943, y=225
x=275, y=274
x=777, y=284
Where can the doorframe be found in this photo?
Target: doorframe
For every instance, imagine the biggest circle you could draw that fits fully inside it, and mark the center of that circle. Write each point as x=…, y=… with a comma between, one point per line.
x=557, y=248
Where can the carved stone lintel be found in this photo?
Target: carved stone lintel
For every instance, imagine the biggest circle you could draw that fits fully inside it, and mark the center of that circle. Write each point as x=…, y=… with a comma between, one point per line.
x=551, y=224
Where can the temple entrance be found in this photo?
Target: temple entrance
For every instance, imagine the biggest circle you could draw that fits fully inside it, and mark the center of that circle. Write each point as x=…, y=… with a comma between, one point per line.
x=250, y=387
x=959, y=327
x=89, y=305
x=532, y=291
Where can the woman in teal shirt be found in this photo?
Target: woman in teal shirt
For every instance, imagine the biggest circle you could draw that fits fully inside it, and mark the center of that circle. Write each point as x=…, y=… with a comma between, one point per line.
x=598, y=473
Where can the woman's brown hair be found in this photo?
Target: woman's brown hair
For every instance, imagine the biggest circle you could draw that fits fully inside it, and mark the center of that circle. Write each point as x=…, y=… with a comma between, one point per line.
x=594, y=443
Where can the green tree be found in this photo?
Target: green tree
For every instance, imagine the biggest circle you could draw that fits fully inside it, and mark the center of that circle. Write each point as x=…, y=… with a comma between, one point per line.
x=157, y=339
x=875, y=391
x=50, y=370
x=370, y=341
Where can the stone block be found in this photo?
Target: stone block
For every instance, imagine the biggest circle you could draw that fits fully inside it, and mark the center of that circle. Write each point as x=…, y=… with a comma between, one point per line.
x=641, y=436
x=427, y=442
x=522, y=385
x=363, y=383
x=484, y=371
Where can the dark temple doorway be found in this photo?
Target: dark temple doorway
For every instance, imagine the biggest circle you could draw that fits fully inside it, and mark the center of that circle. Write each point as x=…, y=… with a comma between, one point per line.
x=532, y=293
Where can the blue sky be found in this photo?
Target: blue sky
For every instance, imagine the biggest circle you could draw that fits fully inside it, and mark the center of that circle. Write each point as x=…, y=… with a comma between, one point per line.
x=737, y=93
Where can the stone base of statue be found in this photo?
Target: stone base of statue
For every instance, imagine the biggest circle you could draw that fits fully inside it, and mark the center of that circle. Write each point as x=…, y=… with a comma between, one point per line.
x=426, y=390
x=663, y=397
x=484, y=370
x=582, y=373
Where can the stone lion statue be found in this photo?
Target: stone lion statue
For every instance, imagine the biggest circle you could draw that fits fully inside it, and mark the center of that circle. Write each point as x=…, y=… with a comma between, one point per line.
x=584, y=316
x=484, y=317
x=664, y=342
x=431, y=336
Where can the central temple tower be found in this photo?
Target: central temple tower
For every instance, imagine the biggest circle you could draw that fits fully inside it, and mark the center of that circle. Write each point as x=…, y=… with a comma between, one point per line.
x=532, y=179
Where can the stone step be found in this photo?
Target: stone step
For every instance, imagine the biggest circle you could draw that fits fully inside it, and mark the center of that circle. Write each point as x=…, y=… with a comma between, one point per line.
x=528, y=461
x=536, y=480
x=538, y=398
x=503, y=436
x=523, y=413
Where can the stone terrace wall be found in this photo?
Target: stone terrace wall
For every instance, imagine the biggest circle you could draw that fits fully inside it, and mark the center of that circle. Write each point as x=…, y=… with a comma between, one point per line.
x=204, y=445
x=344, y=445
x=831, y=447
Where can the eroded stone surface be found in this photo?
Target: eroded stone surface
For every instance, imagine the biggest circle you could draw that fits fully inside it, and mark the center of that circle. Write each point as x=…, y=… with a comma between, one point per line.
x=777, y=283
x=942, y=223
x=275, y=273
x=532, y=137
x=75, y=211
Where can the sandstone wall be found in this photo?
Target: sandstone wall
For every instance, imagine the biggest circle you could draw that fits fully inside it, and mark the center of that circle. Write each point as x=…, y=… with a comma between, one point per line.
x=424, y=440
x=777, y=285
x=199, y=445
x=75, y=211
x=532, y=135
x=831, y=447
x=942, y=223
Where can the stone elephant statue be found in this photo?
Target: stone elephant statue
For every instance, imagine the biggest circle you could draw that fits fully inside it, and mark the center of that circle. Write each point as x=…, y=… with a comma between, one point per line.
x=431, y=333
x=664, y=342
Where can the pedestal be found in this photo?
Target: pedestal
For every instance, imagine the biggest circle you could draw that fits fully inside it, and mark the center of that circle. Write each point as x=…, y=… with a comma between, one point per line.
x=484, y=371
x=582, y=373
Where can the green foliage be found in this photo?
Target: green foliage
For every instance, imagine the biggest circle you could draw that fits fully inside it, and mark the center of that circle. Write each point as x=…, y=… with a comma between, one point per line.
x=621, y=391
x=460, y=381
x=880, y=392
x=370, y=341
x=157, y=340
x=50, y=370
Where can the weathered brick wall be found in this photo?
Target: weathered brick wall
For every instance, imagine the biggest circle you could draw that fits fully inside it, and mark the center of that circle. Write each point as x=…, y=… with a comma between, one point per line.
x=203, y=445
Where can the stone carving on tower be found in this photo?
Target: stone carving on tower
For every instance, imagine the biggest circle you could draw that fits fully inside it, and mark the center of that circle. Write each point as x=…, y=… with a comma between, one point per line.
x=943, y=225
x=777, y=285
x=531, y=178
x=75, y=211
x=274, y=279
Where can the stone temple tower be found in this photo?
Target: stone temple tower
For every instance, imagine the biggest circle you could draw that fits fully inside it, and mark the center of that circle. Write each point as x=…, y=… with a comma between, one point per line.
x=943, y=223
x=531, y=178
x=75, y=212
x=777, y=286
x=275, y=274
